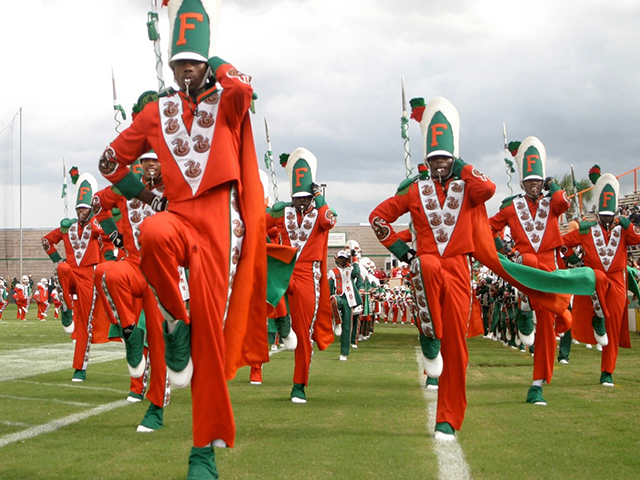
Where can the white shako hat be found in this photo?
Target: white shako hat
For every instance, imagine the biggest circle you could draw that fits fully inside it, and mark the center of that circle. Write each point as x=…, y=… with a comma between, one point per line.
x=605, y=193
x=531, y=159
x=301, y=166
x=440, y=126
x=193, y=28
x=86, y=186
x=352, y=245
x=264, y=180
x=343, y=254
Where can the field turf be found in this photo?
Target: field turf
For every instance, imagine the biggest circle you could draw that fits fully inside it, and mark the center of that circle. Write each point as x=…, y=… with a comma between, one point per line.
x=367, y=418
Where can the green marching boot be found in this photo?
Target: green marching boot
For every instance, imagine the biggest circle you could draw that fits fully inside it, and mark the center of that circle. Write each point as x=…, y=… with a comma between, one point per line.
x=134, y=397
x=79, y=376
x=606, y=379
x=178, y=353
x=152, y=420
x=534, y=395
x=599, y=331
x=524, y=324
x=134, y=346
x=444, y=432
x=66, y=318
x=432, y=383
x=297, y=393
x=431, y=357
x=202, y=464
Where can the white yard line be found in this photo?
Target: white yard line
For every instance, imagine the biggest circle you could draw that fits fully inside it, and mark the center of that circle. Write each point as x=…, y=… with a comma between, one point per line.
x=82, y=385
x=451, y=462
x=32, y=361
x=13, y=424
x=27, y=362
x=48, y=400
x=62, y=422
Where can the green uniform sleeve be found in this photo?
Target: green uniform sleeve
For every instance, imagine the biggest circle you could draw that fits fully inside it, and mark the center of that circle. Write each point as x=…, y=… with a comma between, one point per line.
x=399, y=249
x=130, y=186
x=108, y=225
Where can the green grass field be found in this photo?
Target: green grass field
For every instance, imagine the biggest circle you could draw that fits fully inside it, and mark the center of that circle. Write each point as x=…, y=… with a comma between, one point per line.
x=367, y=418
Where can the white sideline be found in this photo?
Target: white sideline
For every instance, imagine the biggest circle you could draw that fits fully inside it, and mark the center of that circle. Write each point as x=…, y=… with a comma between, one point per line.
x=61, y=422
x=451, y=462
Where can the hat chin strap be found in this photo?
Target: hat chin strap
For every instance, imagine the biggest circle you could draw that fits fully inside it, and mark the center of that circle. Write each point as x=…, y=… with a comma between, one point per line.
x=207, y=74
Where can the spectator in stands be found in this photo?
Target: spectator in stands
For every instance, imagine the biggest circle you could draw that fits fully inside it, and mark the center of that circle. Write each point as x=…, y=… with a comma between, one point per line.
x=635, y=215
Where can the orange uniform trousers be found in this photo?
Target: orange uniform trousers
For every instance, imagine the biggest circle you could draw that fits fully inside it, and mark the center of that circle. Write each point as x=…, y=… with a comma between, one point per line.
x=545, y=340
x=128, y=291
x=616, y=302
x=303, y=297
x=196, y=234
x=447, y=284
x=78, y=281
x=42, y=308
x=21, y=312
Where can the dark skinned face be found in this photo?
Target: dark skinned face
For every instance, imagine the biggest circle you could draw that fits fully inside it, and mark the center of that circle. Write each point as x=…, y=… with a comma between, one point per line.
x=532, y=188
x=440, y=166
x=606, y=221
x=341, y=262
x=83, y=214
x=302, y=204
x=189, y=74
x=151, y=167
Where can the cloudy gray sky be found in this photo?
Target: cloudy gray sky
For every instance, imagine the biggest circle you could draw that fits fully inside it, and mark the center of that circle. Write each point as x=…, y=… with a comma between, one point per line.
x=328, y=78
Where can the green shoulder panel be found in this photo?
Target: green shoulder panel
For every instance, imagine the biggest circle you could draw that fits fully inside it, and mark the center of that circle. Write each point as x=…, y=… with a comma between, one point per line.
x=403, y=188
x=277, y=210
x=508, y=201
x=67, y=222
x=585, y=227
x=166, y=93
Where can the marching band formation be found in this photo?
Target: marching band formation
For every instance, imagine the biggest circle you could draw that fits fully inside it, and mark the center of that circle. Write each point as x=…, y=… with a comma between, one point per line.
x=185, y=259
